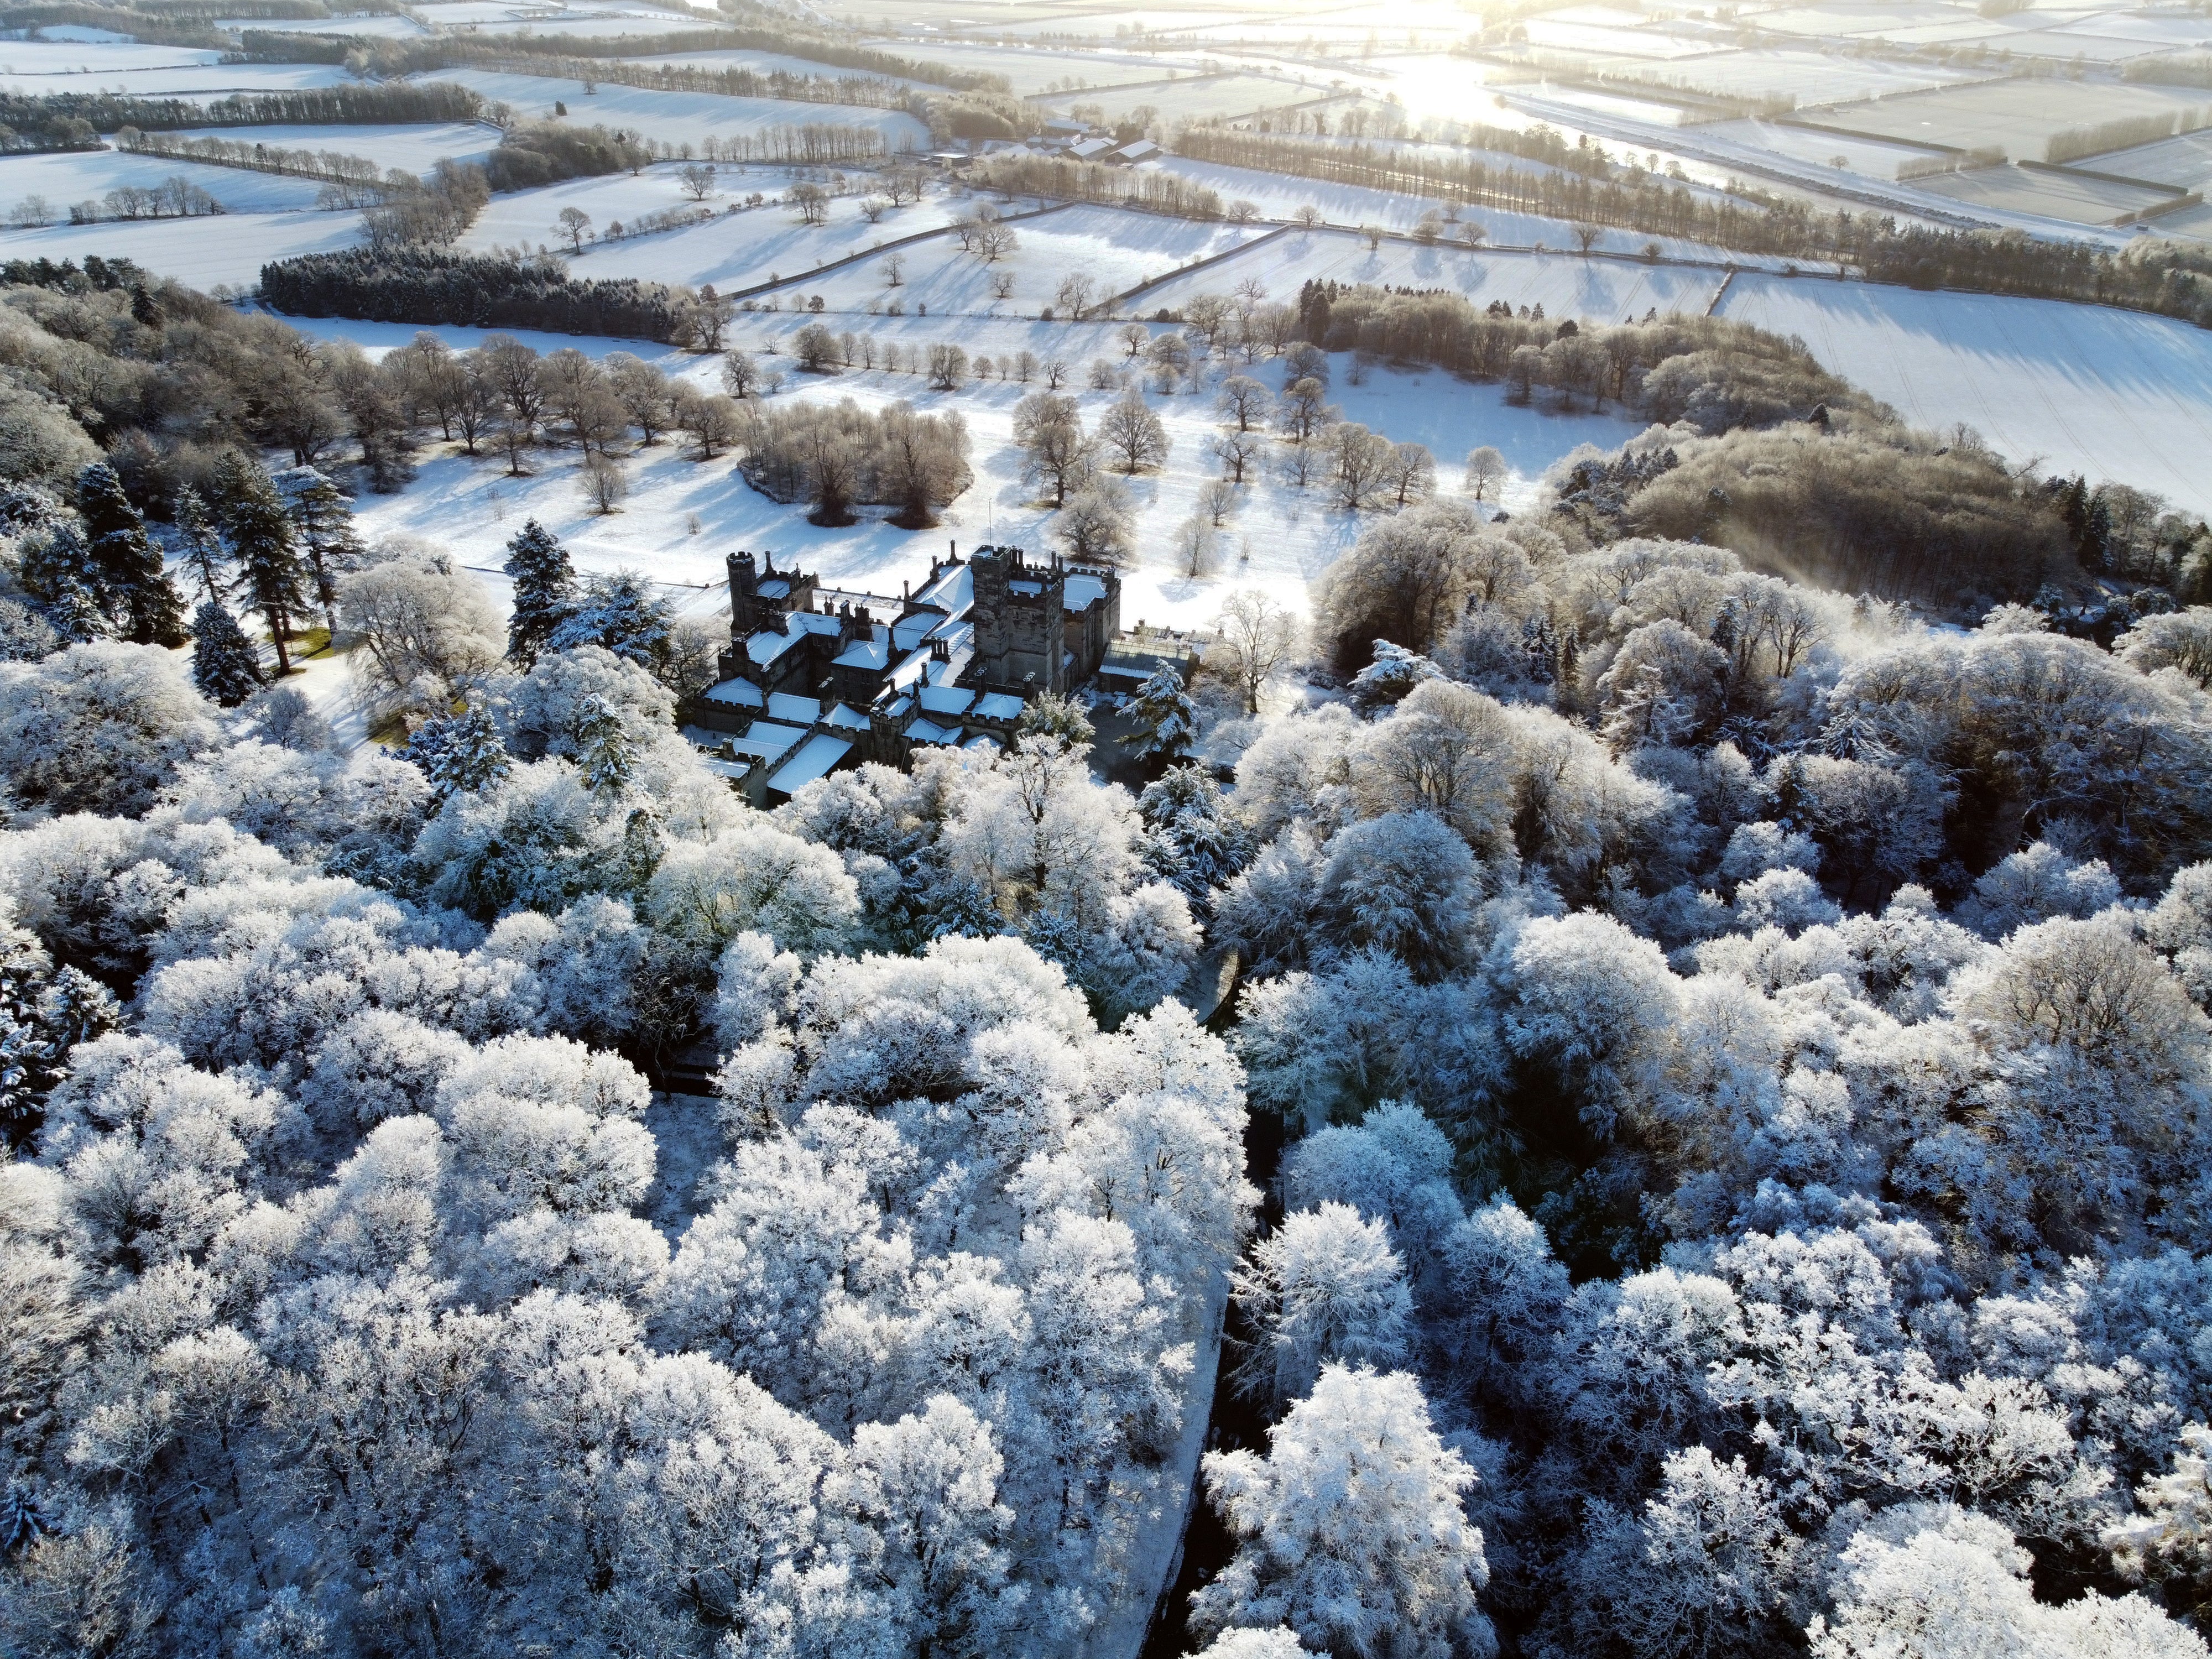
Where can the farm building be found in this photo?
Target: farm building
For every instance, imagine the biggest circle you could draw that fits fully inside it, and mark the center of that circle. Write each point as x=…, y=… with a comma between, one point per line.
x=816, y=677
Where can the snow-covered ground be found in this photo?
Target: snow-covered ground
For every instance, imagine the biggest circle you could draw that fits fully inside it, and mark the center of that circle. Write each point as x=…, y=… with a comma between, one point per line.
x=1277, y=538
x=1605, y=290
x=89, y=71
x=230, y=248
x=367, y=24
x=88, y=175
x=77, y=57
x=415, y=146
x=677, y=118
x=1116, y=248
x=2116, y=394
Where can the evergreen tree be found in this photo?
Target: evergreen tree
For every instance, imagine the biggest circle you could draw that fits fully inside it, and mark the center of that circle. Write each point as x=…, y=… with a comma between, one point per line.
x=1166, y=723
x=267, y=549
x=56, y=571
x=544, y=590
x=225, y=665
x=43, y=1015
x=203, y=548
x=141, y=600
x=323, y=518
x=605, y=752
x=462, y=753
x=618, y=613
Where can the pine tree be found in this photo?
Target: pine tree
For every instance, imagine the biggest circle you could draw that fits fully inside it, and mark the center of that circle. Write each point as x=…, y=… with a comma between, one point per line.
x=544, y=590
x=141, y=600
x=225, y=665
x=263, y=542
x=462, y=753
x=1166, y=723
x=323, y=518
x=604, y=749
x=43, y=1015
x=203, y=548
x=56, y=571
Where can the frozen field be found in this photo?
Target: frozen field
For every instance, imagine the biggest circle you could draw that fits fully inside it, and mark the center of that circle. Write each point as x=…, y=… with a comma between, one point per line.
x=1810, y=78
x=2115, y=394
x=678, y=118
x=199, y=252
x=1031, y=70
x=2068, y=195
x=1564, y=284
x=2185, y=161
x=95, y=57
x=81, y=175
x=2017, y=117
x=416, y=147
x=200, y=81
x=1117, y=250
x=1290, y=536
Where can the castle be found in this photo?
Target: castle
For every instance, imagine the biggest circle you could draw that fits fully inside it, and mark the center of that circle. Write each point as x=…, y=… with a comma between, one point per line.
x=816, y=677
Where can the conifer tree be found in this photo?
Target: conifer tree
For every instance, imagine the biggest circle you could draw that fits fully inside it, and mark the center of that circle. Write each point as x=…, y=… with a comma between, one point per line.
x=56, y=571
x=605, y=752
x=204, y=555
x=267, y=549
x=461, y=753
x=544, y=590
x=323, y=519
x=1166, y=723
x=225, y=665
x=140, y=598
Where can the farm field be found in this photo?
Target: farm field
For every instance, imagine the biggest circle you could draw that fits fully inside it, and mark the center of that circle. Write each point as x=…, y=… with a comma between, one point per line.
x=203, y=253
x=2017, y=117
x=1116, y=249
x=1031, y=70
x=1566, y=285
x=1192, y=98
x=97, y=58
x=201, y=82
x=2068, y=196
x=1873, y=158
x=760, y=63
x=678, y=118
x=1811, y=78
x=415, y=146
x=2114, y=394
x=2185, y=161
x=372, y=25
x=67, y=179
x=732, y=251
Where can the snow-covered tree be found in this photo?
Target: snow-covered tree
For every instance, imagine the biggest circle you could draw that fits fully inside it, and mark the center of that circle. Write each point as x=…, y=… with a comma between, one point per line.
x=1324, y=1288
x=142, y=602
x=1165, y=725
x=544, y=590
x=225, y=665
x=99, y=727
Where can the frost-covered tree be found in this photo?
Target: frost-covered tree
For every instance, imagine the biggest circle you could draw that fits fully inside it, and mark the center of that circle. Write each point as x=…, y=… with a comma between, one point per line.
x=264, y=543
x=99, y=727
x=1324, y=1288
x=143, y=602
x=424, y=632
x=328, y=540
x=1165, y=725
x=1350, y=1531
x=544, y=590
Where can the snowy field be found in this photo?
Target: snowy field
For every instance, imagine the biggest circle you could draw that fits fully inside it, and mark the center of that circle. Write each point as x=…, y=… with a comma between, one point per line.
x=1811, y=78
x=2114, y=394
x=373, y=24
x=95, y=57
x=415, y=146
x=1564, y=284
x=1279, y=538
x=1116, y=249
x=735, y=250
x=1031, y=70
x=1193, y=98
x=200, y=81
x=199, y=252
x=2014, y=116
x=760, y=63
x=88, y=175
x=677, y=118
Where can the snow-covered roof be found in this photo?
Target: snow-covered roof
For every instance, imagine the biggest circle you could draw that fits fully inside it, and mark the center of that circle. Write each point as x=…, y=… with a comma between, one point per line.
x=775, y=587
x=899, y=706
x=814, y=759
x=799, y=711
x=1091, y=148
x=1137, y=150
x=1025, y=588
x=953, y=591
x=945, y=699
x=873, y=653
x=907, y=632
x=928, y=731
x=996, y=706
x=765, y=647
x=742, y=693
x=1082, y=592
x=813, y=622
x=768, y=740
x=846, y=719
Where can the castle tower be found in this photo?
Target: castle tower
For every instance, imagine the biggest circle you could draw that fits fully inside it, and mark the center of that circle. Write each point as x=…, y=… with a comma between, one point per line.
x=744, y=596
x=994, y=636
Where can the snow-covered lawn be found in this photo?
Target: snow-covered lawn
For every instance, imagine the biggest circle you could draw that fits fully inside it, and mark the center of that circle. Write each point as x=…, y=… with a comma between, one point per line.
x=88, y=175
x=415, y=146
x=2116, y=394
x=1566, y=284
x=1116, y=248
x=74, y=56
x=1277, y=538
x=677, y=118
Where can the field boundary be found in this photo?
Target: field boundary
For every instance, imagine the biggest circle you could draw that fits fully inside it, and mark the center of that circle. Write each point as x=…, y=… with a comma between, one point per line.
x=774, y=283
x=1129, y=293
